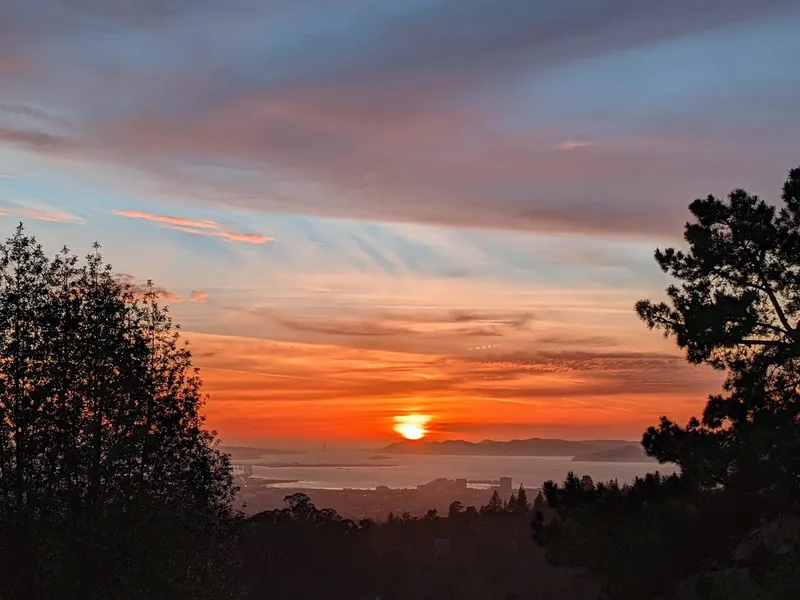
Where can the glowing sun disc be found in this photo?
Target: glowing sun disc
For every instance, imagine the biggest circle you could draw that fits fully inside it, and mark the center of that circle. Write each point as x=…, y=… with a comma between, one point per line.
x=411, y=427
x=409, y=431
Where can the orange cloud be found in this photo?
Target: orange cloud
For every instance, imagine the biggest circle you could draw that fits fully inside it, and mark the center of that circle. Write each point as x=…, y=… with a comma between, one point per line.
x=179, y=221
x=203, y=227
x=139, y=289
x=263, y=389
x=198, y=296
x=249, y=238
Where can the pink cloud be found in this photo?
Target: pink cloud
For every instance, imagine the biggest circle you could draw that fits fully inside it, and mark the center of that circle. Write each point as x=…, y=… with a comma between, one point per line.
x=366, y=160
x=41, y=214
x=198, y=296
x=167, y=220
x=573, y=145
x=353, y=136
x=139, y=289
x=203, y=227
x=249, y=238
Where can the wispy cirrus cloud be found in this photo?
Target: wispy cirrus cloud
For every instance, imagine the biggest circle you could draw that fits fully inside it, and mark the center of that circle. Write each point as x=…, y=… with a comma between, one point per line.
x=399, y=330
x=51, y=215
x=574, y=145
x=203, y=227
x=39, y=141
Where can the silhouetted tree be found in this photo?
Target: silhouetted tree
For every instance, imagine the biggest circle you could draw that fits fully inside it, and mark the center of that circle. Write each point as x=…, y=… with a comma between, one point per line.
x=521, y=506
x=301, y=507
x=455, y=509
x=432, y=514
x=511, y=505
x=736, y=306
x=110, y=486
x=495, y=505
x=302, y=551
x=538, y=502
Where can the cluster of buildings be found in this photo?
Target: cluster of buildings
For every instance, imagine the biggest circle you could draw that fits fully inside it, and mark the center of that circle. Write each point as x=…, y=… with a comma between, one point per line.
x=376, y=503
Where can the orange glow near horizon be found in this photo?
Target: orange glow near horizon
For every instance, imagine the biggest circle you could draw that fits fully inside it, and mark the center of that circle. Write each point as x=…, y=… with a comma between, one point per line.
x=411, y=427
x=265, y=392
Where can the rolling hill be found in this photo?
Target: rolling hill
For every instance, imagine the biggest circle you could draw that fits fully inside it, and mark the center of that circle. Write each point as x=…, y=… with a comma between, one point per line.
x=630, y=454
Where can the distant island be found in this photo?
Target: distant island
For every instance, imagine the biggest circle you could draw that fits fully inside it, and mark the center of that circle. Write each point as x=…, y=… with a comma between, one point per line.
x=379, y=457
x=528, y=447
x=270, y=482
x=629, y=454
x=246, y=453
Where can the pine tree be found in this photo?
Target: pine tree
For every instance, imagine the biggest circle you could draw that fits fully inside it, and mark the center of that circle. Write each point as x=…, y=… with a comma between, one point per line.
x=522, y=506
x=735, y=305
x=511, y=505
x=495, y=505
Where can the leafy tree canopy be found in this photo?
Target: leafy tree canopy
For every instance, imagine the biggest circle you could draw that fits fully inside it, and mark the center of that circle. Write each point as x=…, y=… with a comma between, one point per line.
x=110, y=485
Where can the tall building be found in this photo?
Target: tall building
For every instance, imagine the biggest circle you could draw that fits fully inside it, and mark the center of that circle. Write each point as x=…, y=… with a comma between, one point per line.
x=505, y=487
x=242, y=470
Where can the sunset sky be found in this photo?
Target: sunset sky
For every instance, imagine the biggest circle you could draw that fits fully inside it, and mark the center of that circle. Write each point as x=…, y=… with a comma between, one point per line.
x=362, y=209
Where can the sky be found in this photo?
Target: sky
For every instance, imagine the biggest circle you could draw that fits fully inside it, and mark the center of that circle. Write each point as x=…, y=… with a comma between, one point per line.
x=361, y=211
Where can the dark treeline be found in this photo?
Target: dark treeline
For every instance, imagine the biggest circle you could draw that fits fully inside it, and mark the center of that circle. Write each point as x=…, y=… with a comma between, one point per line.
x=729, y=525
x=305, y=553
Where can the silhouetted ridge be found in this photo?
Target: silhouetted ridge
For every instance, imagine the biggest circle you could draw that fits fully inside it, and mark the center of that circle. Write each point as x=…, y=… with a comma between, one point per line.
x=629, y=453
x=528, y=447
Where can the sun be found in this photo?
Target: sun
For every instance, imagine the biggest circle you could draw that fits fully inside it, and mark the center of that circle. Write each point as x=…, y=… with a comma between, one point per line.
x=409, y=431
x=411, y=427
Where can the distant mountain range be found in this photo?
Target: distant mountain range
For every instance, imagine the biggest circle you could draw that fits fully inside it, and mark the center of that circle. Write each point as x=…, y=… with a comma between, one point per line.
x=630, y=454
x=529, y=447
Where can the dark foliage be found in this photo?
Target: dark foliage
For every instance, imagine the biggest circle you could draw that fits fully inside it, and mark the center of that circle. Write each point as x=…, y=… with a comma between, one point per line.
x=644, y=538
x=305, y=553
x=736, y=307
x=110, y=486
x=495, y=505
